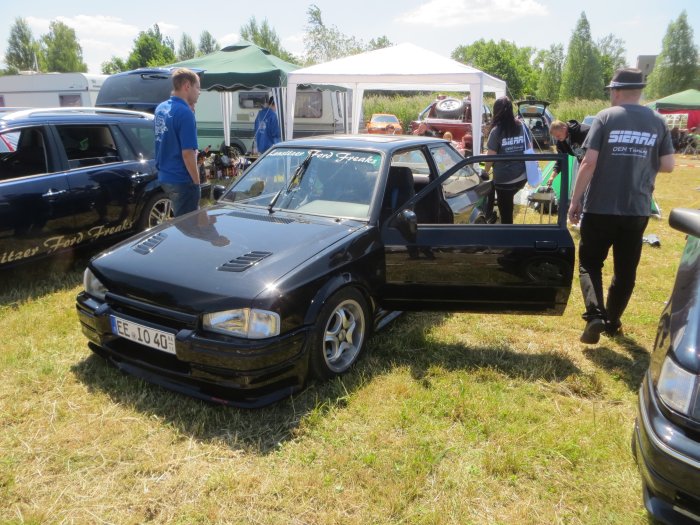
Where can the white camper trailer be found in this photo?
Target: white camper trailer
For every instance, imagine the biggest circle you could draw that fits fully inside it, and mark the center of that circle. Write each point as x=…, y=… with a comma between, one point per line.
x=50, y=90
x=316, y=112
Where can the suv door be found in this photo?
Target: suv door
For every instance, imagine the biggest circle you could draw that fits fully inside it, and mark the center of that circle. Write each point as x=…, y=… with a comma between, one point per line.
x=35, y=209
x=105, y=177
x=466, y=266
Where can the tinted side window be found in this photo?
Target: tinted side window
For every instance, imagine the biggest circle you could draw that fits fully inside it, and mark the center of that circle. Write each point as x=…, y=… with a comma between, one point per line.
x=141, y=138
x=87, y=145
x=22, y=153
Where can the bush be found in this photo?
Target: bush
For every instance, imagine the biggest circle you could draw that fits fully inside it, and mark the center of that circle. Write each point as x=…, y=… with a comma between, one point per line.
x=577, y=108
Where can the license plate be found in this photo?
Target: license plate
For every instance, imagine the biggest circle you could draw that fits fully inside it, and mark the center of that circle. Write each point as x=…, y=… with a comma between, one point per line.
x=143, y=334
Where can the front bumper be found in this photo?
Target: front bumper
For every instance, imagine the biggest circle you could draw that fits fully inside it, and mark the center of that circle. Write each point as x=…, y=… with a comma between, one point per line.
x=669, y=461
x=207, y=366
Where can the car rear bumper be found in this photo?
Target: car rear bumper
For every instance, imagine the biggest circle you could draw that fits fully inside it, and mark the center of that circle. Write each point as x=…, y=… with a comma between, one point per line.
x=669, y=466
x=214, y=368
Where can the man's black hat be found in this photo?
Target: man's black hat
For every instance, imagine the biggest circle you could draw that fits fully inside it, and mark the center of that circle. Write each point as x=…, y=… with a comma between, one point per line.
x=627, y=78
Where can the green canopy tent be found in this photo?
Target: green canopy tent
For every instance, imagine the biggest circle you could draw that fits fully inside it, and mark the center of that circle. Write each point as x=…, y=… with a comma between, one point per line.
x=241, y=66
x=687, y=101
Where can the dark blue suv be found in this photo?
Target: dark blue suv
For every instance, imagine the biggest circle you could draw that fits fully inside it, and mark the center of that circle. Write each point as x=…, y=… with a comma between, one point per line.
x=72, y=176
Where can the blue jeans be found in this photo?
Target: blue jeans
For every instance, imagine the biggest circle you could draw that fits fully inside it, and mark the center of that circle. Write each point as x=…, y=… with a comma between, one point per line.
x=183, y=196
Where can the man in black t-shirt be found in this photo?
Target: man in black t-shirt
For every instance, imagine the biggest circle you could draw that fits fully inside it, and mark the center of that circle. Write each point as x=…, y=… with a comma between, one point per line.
x=627, y=145
x=570, y=137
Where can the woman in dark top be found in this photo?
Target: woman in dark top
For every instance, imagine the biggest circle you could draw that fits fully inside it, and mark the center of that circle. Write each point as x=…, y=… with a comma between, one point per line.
x=507, y=137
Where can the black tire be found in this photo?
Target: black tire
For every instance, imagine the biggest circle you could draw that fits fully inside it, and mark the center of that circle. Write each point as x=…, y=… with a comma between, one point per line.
x=339, y=334
x=449, y=108
x=157, y=210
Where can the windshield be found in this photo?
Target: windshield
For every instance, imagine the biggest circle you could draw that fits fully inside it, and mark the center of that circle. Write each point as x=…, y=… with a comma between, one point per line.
x=330, y=182
x=384, y=118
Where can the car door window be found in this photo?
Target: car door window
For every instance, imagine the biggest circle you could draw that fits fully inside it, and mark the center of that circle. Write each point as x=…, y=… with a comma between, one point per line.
x=22, y=153
x=141, y=138
x=88, y=145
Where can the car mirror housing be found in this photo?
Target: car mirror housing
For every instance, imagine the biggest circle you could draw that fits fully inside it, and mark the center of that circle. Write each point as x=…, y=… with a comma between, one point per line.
x=218, y=191
x=407, y=224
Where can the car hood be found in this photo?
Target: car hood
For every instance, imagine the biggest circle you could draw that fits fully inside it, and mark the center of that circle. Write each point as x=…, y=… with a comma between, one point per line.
x=218, y=254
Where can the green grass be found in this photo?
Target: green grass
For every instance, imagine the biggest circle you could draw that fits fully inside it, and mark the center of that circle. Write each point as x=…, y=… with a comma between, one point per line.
x=447, y=419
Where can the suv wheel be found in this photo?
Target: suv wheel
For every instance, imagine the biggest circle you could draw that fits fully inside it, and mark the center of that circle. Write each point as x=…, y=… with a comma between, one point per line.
x=449, y=108
x=157, y=210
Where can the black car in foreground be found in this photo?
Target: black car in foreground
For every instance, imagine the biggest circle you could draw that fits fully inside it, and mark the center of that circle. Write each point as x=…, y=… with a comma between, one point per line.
x=312, y=249
x=666, y=440
x=74, y=176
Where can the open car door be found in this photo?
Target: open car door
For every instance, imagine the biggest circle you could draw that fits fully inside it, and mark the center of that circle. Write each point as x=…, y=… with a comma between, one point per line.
x=463, y=263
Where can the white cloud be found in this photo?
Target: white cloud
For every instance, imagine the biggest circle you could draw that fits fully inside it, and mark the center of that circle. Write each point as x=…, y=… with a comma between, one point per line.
x=294, y=43
x=451, y=13
x=228, y=39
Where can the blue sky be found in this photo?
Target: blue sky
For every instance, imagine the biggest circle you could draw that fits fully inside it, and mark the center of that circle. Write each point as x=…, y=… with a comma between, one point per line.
x=105, y=29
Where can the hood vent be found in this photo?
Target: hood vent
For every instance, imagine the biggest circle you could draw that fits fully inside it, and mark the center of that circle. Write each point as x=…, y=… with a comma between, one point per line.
x=258, y=217
x=242, y=263
x=148, y=245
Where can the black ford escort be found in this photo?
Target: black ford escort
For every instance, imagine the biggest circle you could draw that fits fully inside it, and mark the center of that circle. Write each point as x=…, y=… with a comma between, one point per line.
x=313, y=248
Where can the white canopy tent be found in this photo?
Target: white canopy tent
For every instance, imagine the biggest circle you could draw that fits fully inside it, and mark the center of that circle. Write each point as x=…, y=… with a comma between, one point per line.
x=401, y=67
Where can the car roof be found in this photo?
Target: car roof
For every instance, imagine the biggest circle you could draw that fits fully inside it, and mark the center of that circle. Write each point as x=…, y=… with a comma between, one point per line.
x=385, y=143
x=71, y=114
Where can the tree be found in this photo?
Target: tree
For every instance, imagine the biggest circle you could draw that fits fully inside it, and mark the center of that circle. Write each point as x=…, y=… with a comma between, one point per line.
x=550, y=75
x=186, y=49
x=266, y=37
x=611, y=53
x=22, y=49
x=207, y=43
x=379, y=43
x=61, y=50
x=323, y=43
x=151, y=49
x=504, y=60
x=581, y=76
x=114, y=65
x=676, y=67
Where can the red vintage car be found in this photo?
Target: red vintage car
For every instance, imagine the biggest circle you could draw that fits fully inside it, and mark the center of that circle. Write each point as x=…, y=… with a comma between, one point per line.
x=453, y=115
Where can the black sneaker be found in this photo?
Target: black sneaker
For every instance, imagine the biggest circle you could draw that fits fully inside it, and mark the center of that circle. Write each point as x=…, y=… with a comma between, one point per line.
x=613, y=329
x=591, y=334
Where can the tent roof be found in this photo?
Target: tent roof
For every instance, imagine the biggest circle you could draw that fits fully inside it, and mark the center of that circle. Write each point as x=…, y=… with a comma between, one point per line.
x=688, y=99
x=404, y=66
x=240, y=66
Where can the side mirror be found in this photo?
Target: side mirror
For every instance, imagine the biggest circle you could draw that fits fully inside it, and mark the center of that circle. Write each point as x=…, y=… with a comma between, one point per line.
x=218, y=191
x=407, y=224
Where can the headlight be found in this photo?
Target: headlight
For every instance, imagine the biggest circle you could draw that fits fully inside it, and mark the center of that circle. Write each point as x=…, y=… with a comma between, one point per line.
x=93, y=286
x=676, y=386
x=244, y=322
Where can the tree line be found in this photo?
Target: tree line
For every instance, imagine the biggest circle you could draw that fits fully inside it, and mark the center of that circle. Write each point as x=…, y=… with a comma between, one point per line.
x=552, y=74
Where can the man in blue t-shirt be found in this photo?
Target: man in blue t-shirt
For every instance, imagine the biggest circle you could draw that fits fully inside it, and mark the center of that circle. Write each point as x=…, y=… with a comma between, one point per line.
x=176, y=143
x=627, y=145
x=267, y=127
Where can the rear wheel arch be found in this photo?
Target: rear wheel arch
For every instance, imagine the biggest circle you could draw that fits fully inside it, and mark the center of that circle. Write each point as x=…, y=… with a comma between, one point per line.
x=157, y=209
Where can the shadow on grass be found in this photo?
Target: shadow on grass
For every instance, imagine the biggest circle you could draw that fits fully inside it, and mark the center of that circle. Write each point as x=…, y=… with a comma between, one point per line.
x=261, y=431
x=31, y=280
x=629, y=368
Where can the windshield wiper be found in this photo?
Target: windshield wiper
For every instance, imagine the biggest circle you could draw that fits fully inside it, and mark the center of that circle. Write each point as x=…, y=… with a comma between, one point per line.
x=296, y=179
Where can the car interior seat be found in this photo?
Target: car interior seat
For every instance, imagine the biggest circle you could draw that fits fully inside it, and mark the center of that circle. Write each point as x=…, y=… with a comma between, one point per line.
x=399, y=189
x=30, y=157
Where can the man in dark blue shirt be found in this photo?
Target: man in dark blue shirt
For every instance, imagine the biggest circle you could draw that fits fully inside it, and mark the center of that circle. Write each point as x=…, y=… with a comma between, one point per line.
x=176, y=143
